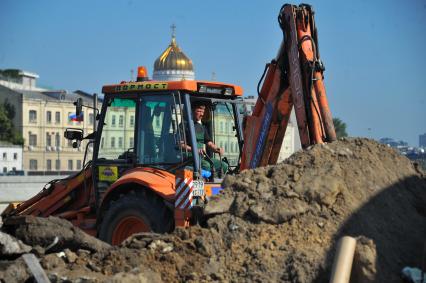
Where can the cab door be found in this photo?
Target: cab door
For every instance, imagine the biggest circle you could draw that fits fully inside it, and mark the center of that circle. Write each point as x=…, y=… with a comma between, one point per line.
x=226, y=133
x=159, y=137
x=115, y=152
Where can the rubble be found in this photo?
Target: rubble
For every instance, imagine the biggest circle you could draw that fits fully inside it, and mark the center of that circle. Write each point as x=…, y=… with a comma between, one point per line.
x=11, y=247
x=274, y=224
x=52, y=233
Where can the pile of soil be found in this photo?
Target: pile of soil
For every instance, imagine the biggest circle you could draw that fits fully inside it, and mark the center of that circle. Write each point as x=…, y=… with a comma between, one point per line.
x=274, y=224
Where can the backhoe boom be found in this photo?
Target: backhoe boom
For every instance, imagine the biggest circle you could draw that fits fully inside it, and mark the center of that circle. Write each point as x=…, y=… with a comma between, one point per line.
x=293, y=78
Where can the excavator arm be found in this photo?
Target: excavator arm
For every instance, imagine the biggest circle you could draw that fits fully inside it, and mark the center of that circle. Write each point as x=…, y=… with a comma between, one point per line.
x=294, y=79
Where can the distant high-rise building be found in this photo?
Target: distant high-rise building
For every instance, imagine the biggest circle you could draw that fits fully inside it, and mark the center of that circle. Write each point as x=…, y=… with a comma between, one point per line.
x=422, y=140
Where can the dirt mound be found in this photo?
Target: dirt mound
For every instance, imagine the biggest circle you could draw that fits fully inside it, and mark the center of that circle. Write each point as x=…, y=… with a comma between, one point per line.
x=278, y=223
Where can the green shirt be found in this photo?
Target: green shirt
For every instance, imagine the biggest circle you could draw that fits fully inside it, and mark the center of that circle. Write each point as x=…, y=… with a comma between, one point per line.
x=201, y=135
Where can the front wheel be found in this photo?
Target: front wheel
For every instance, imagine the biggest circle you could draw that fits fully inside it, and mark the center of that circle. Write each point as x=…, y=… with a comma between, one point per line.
x=133, y=213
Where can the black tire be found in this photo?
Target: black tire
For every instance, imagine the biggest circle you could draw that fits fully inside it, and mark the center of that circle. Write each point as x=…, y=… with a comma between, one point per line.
x=141, y=206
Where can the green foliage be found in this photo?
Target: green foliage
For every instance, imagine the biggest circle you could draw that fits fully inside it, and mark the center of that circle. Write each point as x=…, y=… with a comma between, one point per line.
x=340, y=128
x=8, y=133
x=10, y=73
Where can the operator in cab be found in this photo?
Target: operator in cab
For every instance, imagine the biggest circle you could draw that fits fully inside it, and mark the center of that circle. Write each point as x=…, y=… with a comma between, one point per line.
x=203, y=138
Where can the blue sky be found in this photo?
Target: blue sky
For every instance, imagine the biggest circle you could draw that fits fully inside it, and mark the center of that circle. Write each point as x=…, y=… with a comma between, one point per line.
x=373, y=50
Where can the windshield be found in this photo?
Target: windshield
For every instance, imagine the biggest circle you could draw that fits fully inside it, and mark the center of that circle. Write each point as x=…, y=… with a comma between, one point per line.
x=158, y=139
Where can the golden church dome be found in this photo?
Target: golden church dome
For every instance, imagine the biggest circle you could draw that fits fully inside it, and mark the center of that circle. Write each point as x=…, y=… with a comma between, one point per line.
x=173, y=59
x=173, y=64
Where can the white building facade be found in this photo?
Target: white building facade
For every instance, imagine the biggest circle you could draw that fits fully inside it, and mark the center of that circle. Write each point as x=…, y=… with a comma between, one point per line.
x=41, y=117
x=10, y=158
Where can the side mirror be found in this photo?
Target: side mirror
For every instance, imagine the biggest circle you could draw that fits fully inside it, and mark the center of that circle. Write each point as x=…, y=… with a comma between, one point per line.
x=73, y=134
x=78, y=106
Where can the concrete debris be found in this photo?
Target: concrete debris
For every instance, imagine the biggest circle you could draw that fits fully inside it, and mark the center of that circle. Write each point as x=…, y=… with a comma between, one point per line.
x=10, y=246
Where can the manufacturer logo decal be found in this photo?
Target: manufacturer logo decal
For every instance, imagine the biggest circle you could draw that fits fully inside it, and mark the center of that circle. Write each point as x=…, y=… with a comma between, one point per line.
x=108, y=173
x=141, y=86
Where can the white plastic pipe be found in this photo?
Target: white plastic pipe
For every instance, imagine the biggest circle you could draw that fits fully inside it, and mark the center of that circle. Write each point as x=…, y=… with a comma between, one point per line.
x=342, y=266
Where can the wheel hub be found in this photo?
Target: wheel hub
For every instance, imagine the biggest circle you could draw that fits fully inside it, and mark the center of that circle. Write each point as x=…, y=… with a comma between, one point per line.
x=127, y=226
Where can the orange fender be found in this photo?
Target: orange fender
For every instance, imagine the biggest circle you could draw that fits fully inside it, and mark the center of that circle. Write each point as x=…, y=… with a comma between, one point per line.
x=159, y=181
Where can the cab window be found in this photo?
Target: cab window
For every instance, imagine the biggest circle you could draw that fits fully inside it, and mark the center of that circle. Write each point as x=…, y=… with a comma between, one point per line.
x=225, y=135
x=118, y=130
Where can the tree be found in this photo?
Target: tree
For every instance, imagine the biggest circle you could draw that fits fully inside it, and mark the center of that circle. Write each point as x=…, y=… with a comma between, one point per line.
x=340, y=128
x=8, y=132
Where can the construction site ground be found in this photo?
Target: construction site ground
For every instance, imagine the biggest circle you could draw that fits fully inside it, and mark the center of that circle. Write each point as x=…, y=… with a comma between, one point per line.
x=274, y=224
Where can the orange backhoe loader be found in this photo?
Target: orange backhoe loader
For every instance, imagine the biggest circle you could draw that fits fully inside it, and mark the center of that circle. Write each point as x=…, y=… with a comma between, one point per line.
x=142, y=177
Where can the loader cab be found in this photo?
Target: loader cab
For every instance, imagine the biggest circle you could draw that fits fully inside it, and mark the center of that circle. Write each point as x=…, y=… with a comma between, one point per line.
x=145, y=124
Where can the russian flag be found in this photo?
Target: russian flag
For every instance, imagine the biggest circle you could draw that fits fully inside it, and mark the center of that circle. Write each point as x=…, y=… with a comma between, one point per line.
x=74, y=117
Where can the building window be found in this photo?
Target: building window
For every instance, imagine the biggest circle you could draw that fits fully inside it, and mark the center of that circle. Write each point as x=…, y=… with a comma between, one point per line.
x=78, y=164
x=69, y=143
x=4, y=169
x=102, y=143
x=4, y=155
x=120, y=142
x=221, y=127
x=57, y=164
x=131, y=142
x=113, y=121
x=121, y=121
x=33, y=116
x=49, y=165
x=57, y=117
x=49, y=117
x=69, y=118
x=57, y=140
x=91, y=119
x=70, y=164
x=48, y=139
x=112, y=142
x=132, y=120
x=33, y=164
x=15, y=156
x=32, y=139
